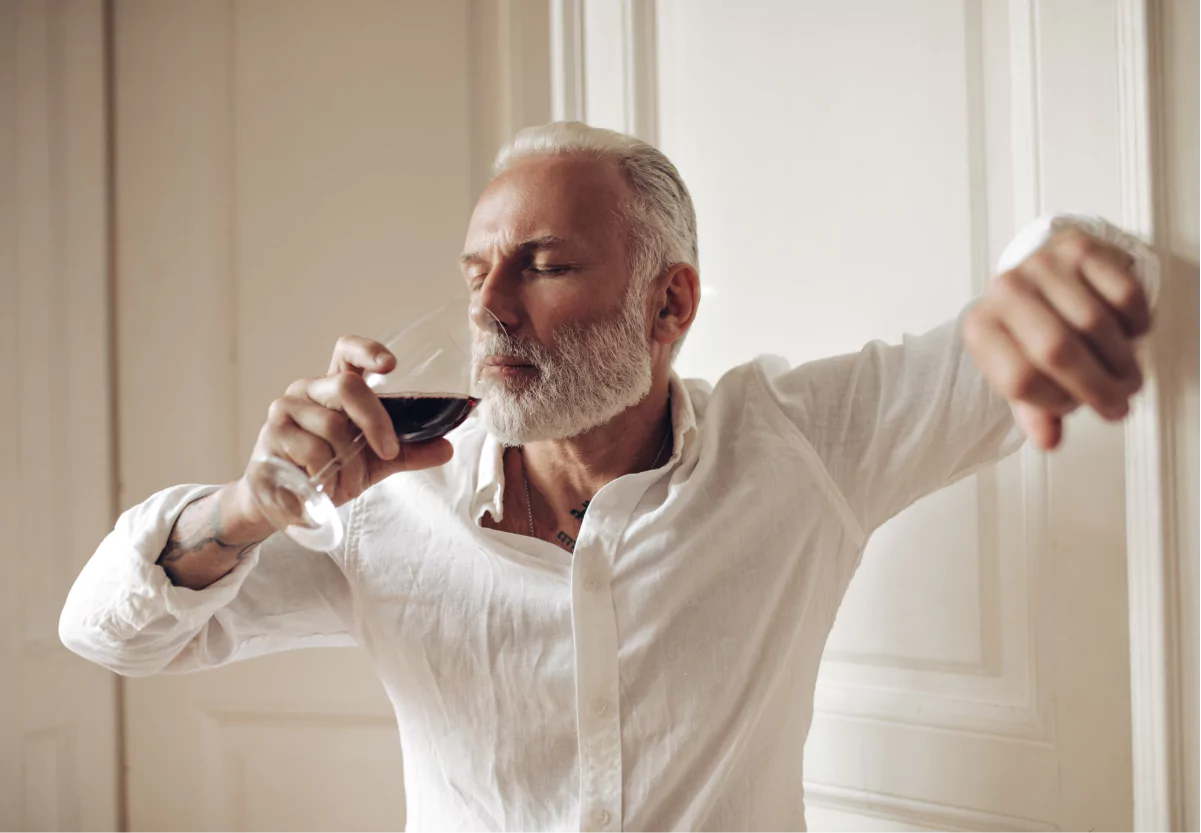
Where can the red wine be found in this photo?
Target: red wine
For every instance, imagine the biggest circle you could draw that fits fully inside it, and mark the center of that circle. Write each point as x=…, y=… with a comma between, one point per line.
x=426, y=416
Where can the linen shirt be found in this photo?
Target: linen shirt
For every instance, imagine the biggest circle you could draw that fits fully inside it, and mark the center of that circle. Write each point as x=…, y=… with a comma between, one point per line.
x=662, y=676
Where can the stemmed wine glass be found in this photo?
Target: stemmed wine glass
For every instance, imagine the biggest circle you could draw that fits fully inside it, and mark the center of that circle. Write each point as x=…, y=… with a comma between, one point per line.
x=430, y=392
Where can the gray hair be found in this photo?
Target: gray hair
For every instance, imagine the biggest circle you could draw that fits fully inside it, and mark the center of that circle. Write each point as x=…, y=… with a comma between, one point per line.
x=661, y=221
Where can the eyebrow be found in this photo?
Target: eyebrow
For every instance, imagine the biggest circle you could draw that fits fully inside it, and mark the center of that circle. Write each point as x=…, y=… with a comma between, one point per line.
x=545, y=241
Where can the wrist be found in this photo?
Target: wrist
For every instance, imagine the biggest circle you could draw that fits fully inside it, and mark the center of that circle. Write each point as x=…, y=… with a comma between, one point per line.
x=244, y=521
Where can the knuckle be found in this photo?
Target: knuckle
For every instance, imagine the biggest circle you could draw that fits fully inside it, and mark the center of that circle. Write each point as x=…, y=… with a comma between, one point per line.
x=346, y=383
x=1042, y=260
x=1076, y=244
x=298, y=387
x=1010, y=283
x=1127, y=294
x=1094, y=321
x=277, y=411
x=1056, y=349
x=1021, y=382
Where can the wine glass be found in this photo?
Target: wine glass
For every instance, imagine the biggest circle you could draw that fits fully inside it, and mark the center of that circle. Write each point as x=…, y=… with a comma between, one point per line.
x=430, y=392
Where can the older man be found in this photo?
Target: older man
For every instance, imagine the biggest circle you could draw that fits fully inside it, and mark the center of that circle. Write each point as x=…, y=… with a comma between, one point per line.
x=605, y=606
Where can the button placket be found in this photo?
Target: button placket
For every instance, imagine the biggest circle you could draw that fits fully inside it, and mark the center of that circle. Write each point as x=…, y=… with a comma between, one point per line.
x=594, y=625
x=595, y=630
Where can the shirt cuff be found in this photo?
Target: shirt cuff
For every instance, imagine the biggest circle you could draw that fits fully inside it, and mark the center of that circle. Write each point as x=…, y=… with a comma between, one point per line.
x=1032, y=238
x=124, y=590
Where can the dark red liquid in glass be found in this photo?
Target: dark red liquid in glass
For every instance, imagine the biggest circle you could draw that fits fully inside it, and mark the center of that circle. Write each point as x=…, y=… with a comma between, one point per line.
x=426, y=416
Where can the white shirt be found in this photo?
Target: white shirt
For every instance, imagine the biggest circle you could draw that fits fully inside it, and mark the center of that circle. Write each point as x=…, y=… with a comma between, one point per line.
x=662, y=676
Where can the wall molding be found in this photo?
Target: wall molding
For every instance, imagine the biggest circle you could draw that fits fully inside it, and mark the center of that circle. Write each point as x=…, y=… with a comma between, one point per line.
x=926, y=815
x=567, y=60
x=604, y=66
x=1151, y=546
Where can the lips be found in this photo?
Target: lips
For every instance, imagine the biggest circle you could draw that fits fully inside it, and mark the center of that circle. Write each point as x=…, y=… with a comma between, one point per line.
x=504, y=361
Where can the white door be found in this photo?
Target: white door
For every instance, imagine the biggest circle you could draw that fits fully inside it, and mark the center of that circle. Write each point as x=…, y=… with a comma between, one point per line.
x=857, y=167
x=58, y=714
x=286, y=171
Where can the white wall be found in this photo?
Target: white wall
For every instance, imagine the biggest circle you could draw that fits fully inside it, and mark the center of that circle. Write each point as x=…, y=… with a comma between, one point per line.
x=59, y=766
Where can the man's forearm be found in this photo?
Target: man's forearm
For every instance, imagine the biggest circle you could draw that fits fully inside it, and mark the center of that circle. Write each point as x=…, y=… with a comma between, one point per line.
x=210, y=537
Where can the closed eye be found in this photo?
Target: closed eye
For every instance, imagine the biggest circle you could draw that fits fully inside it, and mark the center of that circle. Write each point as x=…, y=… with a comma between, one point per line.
x=550, y=270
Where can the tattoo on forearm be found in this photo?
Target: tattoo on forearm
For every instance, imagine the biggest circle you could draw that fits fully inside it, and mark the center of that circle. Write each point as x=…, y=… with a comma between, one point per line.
x=183, y=543
x=567, y=540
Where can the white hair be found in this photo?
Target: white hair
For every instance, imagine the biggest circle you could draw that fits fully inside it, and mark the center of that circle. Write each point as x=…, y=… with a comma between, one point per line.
x=661, y=222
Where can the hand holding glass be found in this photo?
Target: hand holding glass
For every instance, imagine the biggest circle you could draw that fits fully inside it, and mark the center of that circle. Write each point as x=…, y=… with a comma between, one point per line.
x=428, y=393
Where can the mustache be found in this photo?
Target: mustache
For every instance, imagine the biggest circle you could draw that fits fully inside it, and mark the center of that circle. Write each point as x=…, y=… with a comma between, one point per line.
x=503, y=344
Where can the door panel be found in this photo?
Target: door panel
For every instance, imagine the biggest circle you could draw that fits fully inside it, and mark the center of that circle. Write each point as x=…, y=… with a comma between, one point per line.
x=857, y=168
x=287, y=171
x=59, y=758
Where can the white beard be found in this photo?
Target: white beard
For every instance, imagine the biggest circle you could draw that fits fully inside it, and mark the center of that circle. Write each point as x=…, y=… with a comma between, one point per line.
x=593, y=372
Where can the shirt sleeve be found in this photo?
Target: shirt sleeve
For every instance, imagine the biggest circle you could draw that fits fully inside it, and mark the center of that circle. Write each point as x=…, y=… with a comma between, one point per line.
x=124, y=613
x=895, y=422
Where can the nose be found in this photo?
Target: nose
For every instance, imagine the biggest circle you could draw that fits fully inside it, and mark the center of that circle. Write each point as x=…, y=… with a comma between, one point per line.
x=484, y=319
x=494, y=310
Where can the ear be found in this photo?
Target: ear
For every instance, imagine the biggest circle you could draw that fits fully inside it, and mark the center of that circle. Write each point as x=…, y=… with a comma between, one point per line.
x=677, y=294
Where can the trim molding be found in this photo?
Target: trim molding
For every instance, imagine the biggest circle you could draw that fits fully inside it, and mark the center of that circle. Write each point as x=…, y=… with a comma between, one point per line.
x=566, y=60
x=611, y=48
x=926, y=815
x=1151, y=546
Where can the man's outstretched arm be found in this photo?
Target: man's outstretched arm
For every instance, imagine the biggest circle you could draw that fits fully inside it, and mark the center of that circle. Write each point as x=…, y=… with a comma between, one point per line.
x=1056, y=330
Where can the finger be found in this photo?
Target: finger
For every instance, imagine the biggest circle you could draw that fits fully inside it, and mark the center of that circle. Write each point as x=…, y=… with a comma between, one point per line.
x=348, y=392
x=1109, y=273
x=413, y=457
x=306, y=450
x=1072, y=298
x=1044, y=429
x=1009, y=371
x=360, y=355
x=335, y=428
x=1056, y=350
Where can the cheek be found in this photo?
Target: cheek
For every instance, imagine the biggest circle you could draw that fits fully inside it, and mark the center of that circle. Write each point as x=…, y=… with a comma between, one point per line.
x=550, y=308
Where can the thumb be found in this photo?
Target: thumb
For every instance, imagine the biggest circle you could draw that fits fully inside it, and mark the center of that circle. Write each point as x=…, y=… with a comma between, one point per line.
x=413, y=457
x=1044, y=428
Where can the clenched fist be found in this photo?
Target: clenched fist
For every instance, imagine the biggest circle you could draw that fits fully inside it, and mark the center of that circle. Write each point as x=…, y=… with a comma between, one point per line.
x=1058, y=332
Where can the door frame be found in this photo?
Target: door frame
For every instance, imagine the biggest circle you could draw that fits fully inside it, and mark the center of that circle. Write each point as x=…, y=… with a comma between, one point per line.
x=1153, y=483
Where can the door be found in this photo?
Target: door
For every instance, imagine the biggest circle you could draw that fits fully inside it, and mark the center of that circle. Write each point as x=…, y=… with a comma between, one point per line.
x=286, y=171
x=59, y=744
x=857, y=168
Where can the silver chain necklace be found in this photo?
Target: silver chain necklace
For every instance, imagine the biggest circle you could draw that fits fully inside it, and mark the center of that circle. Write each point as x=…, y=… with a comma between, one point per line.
x=529, y=507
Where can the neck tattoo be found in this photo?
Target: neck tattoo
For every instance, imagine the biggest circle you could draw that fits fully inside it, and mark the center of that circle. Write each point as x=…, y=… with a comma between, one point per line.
x=578, y=513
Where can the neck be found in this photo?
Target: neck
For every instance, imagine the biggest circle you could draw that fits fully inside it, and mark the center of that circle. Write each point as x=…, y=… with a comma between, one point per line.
x=567, y=472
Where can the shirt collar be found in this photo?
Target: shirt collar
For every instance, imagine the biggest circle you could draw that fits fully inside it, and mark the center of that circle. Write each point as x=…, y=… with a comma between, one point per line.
x=490, y=477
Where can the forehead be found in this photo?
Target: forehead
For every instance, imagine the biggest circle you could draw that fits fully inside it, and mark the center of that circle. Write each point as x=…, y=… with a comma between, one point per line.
x=570, y=197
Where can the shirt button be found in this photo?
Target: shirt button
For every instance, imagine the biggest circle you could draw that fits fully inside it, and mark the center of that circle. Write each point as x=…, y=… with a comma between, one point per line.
x=601, y=817
x=591, y=585
x=600, y=705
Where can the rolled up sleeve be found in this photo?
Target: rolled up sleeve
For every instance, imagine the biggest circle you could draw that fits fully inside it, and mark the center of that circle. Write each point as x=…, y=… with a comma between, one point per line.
x=124, y=613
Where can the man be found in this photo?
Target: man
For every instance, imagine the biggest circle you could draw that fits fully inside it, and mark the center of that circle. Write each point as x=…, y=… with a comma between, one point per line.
x=605, y=606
